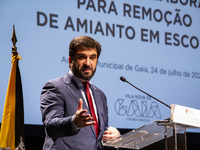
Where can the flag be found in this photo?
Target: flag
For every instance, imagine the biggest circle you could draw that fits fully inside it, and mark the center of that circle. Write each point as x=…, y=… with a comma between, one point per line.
x=12, y=125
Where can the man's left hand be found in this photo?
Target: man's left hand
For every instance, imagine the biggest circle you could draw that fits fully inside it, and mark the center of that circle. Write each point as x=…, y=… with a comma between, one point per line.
x=110, y=134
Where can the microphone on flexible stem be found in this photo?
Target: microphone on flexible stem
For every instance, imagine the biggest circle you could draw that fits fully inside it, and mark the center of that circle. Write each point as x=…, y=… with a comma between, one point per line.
x=124, y=80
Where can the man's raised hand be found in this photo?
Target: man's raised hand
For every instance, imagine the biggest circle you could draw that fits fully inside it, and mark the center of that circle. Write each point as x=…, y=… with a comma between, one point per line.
x=81, y=119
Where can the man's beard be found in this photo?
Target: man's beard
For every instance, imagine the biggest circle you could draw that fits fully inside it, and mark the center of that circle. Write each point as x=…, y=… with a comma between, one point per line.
x=80, y=74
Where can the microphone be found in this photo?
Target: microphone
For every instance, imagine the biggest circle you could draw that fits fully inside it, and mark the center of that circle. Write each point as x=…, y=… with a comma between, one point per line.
x=124, y=80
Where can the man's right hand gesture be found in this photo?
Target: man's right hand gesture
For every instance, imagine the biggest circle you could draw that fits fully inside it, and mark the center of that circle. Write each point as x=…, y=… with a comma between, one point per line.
x=81, y=119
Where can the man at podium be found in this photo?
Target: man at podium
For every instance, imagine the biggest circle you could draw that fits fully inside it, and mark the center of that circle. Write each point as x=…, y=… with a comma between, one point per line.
x=74, y=111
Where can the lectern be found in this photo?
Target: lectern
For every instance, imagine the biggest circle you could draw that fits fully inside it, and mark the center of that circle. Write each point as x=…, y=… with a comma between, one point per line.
x=181, y=119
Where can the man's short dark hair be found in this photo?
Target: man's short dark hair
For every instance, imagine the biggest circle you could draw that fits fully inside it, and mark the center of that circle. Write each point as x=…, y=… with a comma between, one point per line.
x=85, y=41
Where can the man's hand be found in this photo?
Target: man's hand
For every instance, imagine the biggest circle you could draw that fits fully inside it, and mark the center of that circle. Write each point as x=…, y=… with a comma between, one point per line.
x=81, y=119
x=110, y=134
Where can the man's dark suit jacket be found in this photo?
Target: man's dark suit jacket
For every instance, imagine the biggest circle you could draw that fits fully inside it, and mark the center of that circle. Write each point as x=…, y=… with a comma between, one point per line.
x=59, y=102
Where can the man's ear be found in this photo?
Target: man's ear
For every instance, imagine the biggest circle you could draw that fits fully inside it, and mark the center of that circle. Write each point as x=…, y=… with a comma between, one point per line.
x=70, y=61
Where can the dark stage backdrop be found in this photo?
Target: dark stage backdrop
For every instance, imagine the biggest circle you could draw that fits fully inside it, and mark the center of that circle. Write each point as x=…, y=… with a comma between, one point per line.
x=154, y=44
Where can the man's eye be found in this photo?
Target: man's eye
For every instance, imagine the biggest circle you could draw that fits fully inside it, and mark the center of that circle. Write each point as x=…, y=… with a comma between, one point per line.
x=81, y=57
x=94, y=57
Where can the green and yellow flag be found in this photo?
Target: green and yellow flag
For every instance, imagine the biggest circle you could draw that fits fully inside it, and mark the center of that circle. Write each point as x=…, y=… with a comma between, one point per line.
x=12, y=126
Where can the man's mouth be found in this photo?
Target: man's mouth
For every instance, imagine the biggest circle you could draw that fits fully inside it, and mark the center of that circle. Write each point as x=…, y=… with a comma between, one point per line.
x=86, y=69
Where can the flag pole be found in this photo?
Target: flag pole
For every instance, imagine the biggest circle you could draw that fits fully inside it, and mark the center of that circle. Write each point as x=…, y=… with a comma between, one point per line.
x=14, y=40
x=12, y=125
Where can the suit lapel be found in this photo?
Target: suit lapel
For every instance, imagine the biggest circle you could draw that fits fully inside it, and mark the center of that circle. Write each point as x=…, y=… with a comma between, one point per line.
x=74, y=89
x=98, y=102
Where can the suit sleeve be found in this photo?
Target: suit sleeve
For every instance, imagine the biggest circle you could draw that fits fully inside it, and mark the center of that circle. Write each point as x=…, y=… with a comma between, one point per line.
x=52, y=109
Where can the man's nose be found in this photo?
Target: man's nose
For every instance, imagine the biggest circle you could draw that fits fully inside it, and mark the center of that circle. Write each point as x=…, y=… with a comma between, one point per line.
x=87, y=61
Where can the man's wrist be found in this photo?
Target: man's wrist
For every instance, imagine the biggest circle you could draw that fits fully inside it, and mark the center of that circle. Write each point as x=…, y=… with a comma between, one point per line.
x=75, y=129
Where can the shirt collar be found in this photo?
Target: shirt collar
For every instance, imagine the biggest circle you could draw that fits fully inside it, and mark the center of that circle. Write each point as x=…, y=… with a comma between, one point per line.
x=77, y=80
